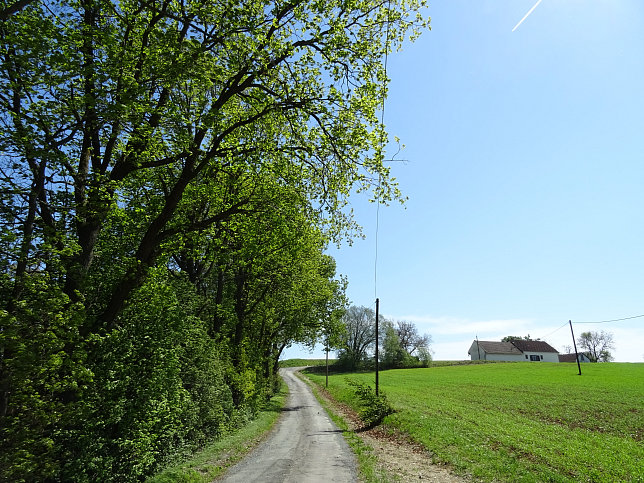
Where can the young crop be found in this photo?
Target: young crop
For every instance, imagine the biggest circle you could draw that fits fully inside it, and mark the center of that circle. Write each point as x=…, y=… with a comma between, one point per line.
x=520, y=422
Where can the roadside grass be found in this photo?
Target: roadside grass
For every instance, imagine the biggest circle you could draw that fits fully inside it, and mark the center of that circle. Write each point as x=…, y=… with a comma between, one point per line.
x=366, y=458
x=205, y=465
x=519, y=421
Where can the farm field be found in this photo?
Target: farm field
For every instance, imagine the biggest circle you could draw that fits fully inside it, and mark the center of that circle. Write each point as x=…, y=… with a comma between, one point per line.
x=304, y=362
x=519, y=421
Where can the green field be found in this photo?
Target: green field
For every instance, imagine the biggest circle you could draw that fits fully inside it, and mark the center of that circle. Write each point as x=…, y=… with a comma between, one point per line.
x=304, y=362
x=520, y=421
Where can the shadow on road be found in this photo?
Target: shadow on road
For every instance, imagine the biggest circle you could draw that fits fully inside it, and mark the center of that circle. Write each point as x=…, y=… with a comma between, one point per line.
x=294, y=408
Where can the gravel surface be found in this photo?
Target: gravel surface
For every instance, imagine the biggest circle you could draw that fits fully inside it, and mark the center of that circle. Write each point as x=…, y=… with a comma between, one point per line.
x=305, y=445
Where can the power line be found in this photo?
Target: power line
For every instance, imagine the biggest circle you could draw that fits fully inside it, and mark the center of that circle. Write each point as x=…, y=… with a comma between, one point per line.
x=375, y=263
x=593, y=322
x=382, y=122
x=556, y=330
x=612, y=320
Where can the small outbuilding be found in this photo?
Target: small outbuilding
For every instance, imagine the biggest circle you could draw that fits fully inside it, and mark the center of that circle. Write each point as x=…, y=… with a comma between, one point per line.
x=573, y=358
x=515, y=350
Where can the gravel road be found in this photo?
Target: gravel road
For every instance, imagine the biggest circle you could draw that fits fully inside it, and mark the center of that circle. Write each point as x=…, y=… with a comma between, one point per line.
x=305, y=445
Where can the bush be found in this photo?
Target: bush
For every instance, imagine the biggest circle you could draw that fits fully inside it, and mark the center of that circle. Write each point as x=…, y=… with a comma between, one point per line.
x=374, y=407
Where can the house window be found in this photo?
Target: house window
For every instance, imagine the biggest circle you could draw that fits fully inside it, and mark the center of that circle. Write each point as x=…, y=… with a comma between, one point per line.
x=534, y=357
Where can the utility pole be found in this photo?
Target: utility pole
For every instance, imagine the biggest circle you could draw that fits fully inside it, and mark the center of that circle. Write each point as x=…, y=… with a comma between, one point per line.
x=575, y=344
x=377, y=315
x=327, y=360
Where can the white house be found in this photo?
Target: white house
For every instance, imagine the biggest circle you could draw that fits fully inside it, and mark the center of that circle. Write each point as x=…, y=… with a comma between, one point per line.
x=516, y=350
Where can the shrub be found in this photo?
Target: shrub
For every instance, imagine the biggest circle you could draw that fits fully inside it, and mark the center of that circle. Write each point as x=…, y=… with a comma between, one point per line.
x=374, y=407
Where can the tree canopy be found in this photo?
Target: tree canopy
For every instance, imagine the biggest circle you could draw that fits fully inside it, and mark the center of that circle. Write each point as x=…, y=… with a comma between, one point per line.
x=403, y=346
x=400, y=344
x=171, y=173
x=510, y=338
x=598, y=345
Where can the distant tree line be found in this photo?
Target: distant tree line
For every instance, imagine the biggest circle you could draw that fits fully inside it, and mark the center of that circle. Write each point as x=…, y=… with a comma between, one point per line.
x=171, y=173
x=400, y=344
x=510, y=338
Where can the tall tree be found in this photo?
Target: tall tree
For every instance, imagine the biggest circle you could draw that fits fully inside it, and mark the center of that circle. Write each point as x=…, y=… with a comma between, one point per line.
x=155, y=152
x=100, y=94
x=359, y=336
x=393, y=355
x=410, y=340
x=402, y=345
x=598, y=345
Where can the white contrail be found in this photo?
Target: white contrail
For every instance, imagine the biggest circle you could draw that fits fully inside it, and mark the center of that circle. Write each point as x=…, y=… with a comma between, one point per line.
x=526, y=15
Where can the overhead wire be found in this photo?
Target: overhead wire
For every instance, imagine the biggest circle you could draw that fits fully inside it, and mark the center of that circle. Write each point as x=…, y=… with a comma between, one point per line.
x=612, y=320
x=593, y=322
x=556, y=330
x=382, y=123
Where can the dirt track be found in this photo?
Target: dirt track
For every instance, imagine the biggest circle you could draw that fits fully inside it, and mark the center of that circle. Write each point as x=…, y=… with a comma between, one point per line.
x=305, y=445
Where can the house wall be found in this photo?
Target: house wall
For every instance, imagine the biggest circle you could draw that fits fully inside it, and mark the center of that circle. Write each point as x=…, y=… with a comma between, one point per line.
x=503, y=357
x=474, y=352
x=547, y=356
x=583, y=357
x=474, y=355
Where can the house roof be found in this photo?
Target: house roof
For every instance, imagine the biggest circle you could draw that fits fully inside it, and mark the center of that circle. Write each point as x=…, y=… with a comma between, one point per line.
x=533, y=346
x=572, y=358
x=567, y=358
x=515, y=347
x=498, y=347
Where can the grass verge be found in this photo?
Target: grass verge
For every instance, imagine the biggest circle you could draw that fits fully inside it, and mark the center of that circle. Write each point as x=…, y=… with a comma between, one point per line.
x=220, y=455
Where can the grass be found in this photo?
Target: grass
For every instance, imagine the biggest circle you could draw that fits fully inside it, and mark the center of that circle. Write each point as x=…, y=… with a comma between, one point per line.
x=215, y=458
x=520, y=421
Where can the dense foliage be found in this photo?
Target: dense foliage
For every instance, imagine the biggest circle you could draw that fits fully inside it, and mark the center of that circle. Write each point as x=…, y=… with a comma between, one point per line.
x=171, y=172
x=374, y=408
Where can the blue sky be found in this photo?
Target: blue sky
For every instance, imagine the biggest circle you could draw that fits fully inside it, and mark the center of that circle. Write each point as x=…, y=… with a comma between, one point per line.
x=524, y=177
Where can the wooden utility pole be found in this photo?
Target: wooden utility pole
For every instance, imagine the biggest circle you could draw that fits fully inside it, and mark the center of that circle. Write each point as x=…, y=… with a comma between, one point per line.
x=575, y=344
x=377, y=315
x=327, y=361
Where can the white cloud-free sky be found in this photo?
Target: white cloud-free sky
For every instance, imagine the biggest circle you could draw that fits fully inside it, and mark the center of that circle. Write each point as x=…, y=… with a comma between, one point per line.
x=525, y=177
